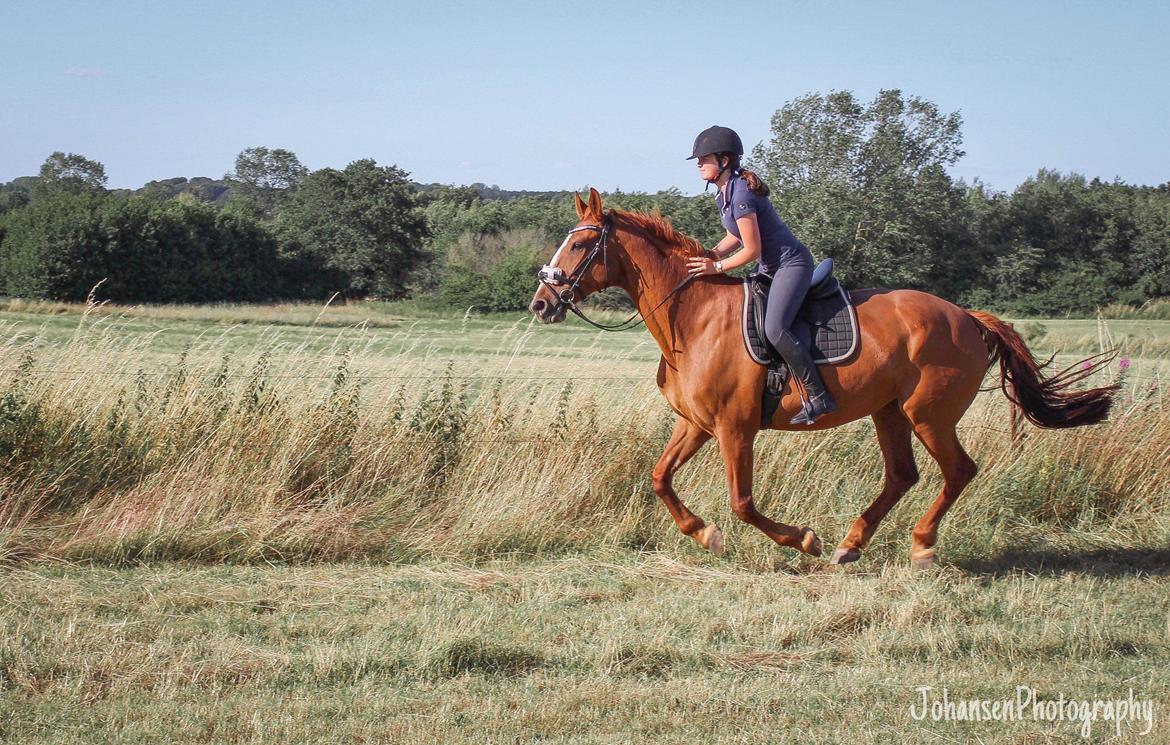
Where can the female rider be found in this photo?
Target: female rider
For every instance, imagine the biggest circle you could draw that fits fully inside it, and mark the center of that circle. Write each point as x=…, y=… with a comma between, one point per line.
x=752, y=222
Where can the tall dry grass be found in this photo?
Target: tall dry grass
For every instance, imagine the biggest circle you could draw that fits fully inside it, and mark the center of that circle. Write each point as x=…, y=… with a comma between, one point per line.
x=287, y=454
x=1155, y=309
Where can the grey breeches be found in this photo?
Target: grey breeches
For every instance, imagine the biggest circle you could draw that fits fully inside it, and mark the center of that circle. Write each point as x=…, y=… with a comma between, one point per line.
x=789, y=286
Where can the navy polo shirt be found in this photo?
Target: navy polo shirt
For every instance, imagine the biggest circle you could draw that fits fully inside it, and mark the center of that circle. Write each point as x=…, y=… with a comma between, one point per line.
x=779, y=247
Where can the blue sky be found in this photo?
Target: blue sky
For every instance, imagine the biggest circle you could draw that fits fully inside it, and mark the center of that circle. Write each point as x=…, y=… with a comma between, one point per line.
x=548, y=95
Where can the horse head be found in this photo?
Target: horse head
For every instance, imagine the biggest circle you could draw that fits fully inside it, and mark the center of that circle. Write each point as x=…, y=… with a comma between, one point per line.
x=581, y=266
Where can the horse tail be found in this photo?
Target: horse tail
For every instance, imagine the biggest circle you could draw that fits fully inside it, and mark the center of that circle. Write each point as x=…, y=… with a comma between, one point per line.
x=1047, y=402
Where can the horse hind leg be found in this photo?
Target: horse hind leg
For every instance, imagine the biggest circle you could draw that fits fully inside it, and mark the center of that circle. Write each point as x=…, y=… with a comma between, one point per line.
x=685, y=441
x=958, y=469
x=893, y=433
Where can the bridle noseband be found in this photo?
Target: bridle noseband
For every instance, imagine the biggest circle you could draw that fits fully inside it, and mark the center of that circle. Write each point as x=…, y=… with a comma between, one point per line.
x=550, y=276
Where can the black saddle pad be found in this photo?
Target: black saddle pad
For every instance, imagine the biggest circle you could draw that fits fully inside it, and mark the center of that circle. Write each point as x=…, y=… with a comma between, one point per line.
x=826, y=325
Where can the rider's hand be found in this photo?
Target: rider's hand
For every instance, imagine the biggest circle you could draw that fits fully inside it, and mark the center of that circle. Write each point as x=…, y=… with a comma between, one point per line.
x=700, y=265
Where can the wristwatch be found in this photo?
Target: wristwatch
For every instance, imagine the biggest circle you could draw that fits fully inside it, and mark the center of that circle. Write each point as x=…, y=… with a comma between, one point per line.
x=719, y=266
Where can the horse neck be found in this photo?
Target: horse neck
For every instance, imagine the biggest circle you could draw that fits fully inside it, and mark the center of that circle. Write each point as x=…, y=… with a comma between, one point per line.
x=651, y=273
x=648, y=276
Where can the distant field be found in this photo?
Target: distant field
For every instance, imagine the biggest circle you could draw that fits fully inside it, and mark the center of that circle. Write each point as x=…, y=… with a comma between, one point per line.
x=385, y=523
x=1136, y=338
x=392, y=328
x=380, y=331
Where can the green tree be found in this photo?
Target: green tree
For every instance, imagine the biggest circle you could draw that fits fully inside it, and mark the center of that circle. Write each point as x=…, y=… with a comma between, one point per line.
x=70, y=172
x=264, y=179
x=492, y=272
x=163, y=252
x=486, y=252
x=182, y=250
x=53, y=248
x=867, y=184
x=15, y=194
x=359, y=230
x=1069, y=243
x=1151, y=246
x=696, y=216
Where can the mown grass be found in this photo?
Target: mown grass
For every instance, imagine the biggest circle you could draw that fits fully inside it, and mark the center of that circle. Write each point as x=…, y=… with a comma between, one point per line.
x=444, y=532
x=611, y=646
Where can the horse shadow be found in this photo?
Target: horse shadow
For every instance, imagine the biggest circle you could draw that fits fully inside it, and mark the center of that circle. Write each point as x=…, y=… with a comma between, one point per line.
x=1111, y=562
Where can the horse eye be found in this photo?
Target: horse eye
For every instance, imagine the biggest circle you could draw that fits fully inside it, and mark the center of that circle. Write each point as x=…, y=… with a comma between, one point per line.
x=576, y=246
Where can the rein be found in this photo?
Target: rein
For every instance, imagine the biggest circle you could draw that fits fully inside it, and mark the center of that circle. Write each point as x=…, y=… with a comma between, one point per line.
x=550, y=276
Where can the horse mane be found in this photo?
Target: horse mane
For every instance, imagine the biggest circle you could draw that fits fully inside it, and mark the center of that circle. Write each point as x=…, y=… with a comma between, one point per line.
x=672, y=240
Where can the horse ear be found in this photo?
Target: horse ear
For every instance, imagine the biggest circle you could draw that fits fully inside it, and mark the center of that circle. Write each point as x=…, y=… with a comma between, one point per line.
x=581, y=206
x=595, y=202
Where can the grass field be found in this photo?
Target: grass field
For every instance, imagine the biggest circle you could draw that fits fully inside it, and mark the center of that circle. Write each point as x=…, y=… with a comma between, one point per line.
x=268, y=525
x=605, y=647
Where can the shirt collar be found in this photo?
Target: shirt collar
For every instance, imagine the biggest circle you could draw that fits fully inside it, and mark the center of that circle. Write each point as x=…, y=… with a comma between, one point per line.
x=723, y=202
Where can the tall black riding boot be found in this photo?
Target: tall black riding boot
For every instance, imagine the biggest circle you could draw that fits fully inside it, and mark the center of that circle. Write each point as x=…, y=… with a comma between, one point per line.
x=820, y=401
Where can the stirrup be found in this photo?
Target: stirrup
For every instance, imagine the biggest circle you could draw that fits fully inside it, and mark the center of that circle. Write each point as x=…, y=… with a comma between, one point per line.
x=814, y=409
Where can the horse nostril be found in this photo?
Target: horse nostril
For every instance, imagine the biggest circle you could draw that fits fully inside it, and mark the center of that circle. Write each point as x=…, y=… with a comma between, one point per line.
x=537, y=306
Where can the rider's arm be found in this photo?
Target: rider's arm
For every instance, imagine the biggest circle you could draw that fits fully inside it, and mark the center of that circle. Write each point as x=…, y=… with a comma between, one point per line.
x=749, y=231
x=725, y=246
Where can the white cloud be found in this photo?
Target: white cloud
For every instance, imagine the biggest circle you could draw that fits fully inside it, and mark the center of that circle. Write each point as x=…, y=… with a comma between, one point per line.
x=84, y=72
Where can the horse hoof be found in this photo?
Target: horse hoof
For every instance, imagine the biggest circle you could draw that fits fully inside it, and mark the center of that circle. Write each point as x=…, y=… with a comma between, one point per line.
x=711, y=538
x=845, y=556
x=923, y=559
x=811, y=544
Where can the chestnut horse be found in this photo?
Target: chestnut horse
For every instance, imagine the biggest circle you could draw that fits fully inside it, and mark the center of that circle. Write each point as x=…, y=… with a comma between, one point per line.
x=919, y=364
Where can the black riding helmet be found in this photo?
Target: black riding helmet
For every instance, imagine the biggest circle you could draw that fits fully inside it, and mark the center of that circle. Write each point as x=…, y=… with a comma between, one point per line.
x=717, y=139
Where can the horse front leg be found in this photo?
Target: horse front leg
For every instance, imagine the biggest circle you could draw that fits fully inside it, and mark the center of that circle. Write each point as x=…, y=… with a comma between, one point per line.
x=736, y=448
x=684, y=442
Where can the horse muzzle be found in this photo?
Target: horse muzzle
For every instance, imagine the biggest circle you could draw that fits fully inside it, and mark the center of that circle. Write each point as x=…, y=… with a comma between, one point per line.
x=557, y=292
x=548, y=312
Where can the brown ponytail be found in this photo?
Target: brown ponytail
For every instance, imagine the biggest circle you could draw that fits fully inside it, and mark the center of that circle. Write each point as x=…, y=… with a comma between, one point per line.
x=754, y=182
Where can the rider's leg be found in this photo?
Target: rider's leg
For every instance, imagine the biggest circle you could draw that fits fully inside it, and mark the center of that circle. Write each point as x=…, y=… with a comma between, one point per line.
x=789, y=286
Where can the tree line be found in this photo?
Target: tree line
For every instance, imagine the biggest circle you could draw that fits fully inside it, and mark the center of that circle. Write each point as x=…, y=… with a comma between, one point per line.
x=864, y=182
x=284, y=233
